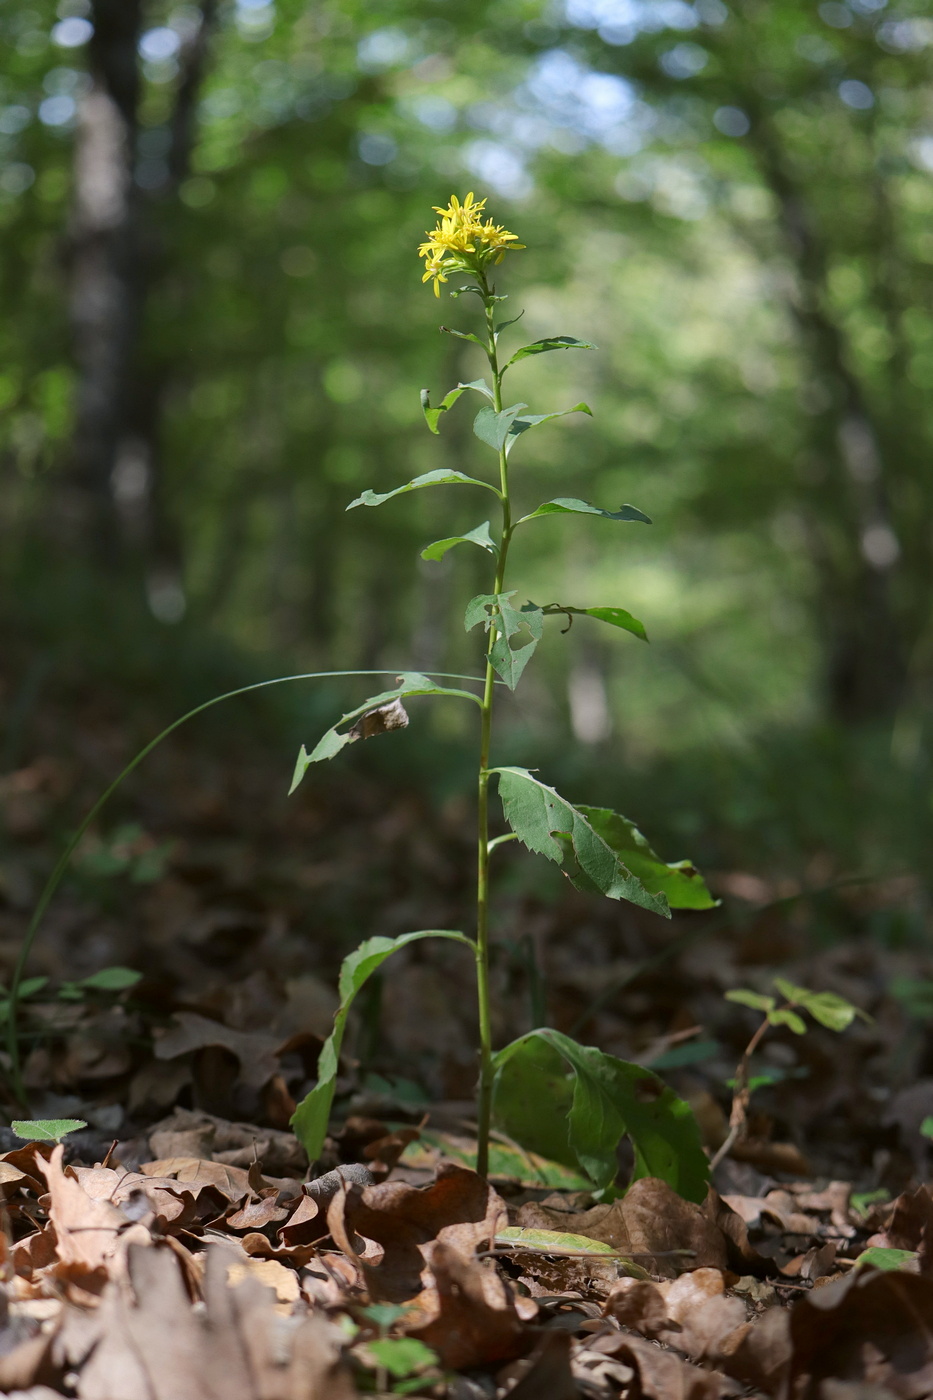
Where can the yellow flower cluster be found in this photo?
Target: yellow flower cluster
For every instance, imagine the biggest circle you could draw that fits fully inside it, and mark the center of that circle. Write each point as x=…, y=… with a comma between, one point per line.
x=462, y=242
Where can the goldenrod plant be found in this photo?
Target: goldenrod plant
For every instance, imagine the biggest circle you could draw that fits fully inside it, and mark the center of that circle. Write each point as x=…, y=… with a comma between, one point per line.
x=568, y=1102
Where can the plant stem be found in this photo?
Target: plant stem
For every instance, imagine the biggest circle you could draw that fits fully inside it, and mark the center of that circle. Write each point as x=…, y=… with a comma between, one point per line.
x=484, y=1096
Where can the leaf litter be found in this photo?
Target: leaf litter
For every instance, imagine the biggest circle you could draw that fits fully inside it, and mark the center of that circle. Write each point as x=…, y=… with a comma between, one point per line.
x=174, y=1247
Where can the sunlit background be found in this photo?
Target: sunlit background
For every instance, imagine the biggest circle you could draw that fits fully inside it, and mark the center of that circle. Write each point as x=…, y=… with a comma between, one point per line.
x=214, y=335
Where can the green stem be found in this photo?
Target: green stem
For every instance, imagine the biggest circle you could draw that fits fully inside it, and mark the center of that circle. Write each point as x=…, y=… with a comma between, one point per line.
x=484, y=1096
x=61, y=866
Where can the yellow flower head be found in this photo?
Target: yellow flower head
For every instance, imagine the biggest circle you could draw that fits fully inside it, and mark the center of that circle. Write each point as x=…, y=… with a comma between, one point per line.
x=461, y=242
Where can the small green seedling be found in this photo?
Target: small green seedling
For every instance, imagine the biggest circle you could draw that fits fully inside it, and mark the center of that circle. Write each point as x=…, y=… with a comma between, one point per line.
x=827, y=1008
x=46, y=1129
x=405, y=1359
x=567, y=1102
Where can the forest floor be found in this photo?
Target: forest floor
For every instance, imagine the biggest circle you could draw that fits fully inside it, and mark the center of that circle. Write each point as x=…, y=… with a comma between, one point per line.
x=174, y=1248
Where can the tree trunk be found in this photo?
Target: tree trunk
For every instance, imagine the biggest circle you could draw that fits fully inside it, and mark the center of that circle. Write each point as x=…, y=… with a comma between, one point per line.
x=105, y=273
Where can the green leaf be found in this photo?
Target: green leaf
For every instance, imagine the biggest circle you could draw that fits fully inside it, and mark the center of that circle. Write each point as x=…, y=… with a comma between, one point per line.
x=401, y=1356
x=310, y=1118
x=111, y=979
x=889, y=1259
x=756, y=1000
x=46, y=1129
x=546, y=823
x=30, y=985
x=330, y=744
x=552, y=1241
x=569, y=505
x=832, y=1011
x=616, y=617
x=862, y=1201
x=509, y=662
x=431, y=415
x=592, y=1100
x=480, y=536
x=552, y=342
x=418, y=483
x=461, y=335
x=926, y=1127
x=493, y=428
x=502, y=325
x=785, y=1017
x=679, y=881
x=497, y=611
x=533, y=420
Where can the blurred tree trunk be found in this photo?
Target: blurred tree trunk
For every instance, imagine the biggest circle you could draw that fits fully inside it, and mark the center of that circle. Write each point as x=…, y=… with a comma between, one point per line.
x=106, y=278
x=856, y=547
x=115, y=257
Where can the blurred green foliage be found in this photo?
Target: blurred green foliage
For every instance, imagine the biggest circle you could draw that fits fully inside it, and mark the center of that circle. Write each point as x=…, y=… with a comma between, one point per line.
x=732, y=201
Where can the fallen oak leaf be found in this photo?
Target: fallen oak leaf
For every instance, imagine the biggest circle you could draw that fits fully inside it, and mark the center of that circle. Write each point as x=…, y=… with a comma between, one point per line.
x=405, y=1222
x=255, y=1051
x=86, y=1229
x=195, y=1174
x=146, y=1340
x=476, y=1321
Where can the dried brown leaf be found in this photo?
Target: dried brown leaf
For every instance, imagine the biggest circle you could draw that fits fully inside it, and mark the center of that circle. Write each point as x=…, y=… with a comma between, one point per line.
x=475, y=1321
x=459, y=1209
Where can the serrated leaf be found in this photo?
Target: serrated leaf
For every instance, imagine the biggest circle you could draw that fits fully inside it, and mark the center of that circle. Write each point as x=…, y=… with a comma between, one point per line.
x=111, y=979
x=418, y=483
x=534, y=420
x=480, y=535
x=46, y=1129
x=785, y=1017
x=493, y=428
x=551, y=342
x=330, y=744
x=544, y=822
x=679, y=881
x=593, y=1100
x=888, y=1259
x=310, y=1118
x=570, y=505
x=756, y=1000
x=832, y=1011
